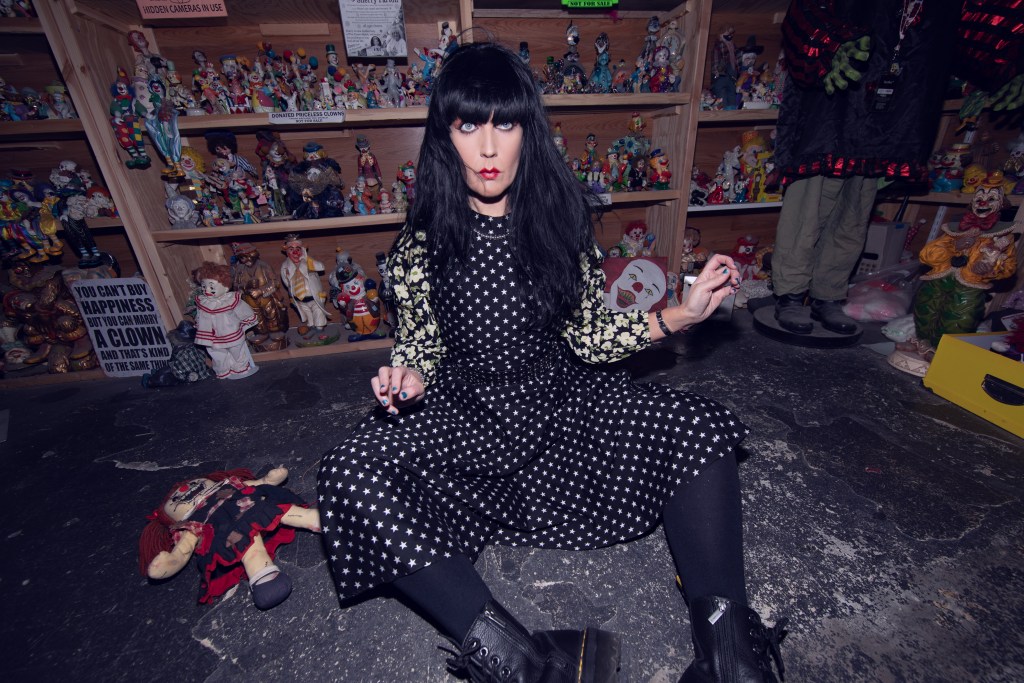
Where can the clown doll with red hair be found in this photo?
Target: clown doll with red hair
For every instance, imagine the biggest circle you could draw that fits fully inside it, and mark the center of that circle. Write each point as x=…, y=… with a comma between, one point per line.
x=233, y=524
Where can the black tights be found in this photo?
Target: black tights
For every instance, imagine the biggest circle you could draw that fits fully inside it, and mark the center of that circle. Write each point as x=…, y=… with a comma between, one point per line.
x=703, y=527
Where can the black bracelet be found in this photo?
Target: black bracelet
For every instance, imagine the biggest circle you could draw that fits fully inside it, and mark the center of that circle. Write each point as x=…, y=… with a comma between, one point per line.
x=662, y=325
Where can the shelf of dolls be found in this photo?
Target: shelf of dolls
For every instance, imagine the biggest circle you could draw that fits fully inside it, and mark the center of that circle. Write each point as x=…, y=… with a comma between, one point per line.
x=272, y=227
x=388, y=115
x=249, y=122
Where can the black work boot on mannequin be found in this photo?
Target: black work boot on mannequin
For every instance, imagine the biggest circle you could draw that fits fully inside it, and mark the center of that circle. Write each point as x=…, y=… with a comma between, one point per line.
x=499, y=649
x=792, y=315
x=731, y=645
x=830, y=315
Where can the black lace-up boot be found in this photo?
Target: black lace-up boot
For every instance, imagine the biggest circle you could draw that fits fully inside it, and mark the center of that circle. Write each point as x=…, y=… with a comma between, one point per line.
x=731, y=645
x=498, y=649
x=792, y=315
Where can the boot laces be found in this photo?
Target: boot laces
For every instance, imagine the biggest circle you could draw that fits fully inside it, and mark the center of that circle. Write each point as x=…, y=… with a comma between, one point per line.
x=461, y=663
x=773, y=638
x=459, y=660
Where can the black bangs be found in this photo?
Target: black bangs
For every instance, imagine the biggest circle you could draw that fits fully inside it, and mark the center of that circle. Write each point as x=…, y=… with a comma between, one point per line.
x=478, y=85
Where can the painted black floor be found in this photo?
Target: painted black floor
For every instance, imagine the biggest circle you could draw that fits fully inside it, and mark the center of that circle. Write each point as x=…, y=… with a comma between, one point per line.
x=885, y=522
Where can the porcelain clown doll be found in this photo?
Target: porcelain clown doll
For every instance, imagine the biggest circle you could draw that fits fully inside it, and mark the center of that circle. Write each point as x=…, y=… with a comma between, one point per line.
x=222, y=318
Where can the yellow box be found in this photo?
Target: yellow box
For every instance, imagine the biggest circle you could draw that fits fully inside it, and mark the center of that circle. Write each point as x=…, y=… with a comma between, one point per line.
x=966, y=372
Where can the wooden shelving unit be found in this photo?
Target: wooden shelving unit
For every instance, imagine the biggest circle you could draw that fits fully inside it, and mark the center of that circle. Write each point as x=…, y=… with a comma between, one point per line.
x=88, y=40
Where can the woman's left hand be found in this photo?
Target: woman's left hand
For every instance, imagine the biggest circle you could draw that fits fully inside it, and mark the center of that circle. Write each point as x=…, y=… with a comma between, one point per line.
x=719, y=279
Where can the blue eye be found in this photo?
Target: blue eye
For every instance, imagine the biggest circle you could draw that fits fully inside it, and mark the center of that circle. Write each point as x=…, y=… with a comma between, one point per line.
x=466, y=127
x=508, y=125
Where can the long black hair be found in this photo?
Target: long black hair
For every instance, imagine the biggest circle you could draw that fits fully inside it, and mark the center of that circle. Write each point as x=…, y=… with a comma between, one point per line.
x=550, y=216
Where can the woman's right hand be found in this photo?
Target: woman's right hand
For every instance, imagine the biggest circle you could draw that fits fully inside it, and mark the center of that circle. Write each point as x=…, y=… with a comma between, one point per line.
x=397, y=387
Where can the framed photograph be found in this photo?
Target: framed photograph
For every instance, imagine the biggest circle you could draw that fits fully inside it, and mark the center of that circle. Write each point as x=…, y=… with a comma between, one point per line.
x=636, y=284
x=373, y=28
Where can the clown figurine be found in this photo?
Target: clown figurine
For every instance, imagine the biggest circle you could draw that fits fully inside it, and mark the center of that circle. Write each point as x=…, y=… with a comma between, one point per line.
x=744, y=254
x=128, y=128
x=221, y=321
x=361, y=305
x=366, y=163
x=965, y=260
x=300, y=275
x=258, y=283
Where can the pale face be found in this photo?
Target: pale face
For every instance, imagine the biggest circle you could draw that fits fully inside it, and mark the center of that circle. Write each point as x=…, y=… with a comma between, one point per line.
x=354, y=288
x=987, y=200
x=294, y=253
x=490, y=156
x=640, y=286
x=188, y=497
x=213, y=287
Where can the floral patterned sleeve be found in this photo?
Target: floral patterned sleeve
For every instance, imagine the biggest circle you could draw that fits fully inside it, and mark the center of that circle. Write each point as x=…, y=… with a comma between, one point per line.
x=417, y=340
x=596, y=333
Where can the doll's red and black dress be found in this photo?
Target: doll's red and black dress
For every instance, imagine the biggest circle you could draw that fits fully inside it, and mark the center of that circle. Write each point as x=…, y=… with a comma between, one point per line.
x=519, y=440
x=226, y=524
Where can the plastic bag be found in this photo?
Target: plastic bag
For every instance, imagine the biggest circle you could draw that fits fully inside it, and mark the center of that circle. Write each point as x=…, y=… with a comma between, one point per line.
x=884, y=295
x=899, y=329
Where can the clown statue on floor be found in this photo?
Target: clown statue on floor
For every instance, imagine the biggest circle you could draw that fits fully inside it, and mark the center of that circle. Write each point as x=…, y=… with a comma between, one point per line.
x=965, y=260
x=221, y=321
x=233, y=523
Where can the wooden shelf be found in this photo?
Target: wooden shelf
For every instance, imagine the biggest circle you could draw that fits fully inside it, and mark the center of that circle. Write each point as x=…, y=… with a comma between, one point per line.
x=949, y=198
x=401, y=115
x=348, y=222
x=616, y=100
x=105, y=223
x=340, y=346
x=747, y=206
x=724, y=117
x=353, y=117
x=278, y=226
x=42, y=129
x=647, y=197
x=18, y=379
x=21, y=26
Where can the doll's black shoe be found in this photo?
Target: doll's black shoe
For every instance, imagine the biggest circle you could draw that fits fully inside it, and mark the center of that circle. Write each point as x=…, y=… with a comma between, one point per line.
x=270, y=587
x=792, y=315
x=500, y=649
x=731, y=645
x=830, y=315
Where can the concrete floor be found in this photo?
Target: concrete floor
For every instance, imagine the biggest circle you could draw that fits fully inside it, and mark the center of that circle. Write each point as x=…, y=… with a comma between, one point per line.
x=886, y=523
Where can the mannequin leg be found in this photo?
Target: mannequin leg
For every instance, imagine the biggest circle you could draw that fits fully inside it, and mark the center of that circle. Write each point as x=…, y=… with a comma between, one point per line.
x=796, y=236
x=842, y=239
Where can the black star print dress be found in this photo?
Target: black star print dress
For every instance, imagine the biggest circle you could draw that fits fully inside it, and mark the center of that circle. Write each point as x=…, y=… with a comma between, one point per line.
x=518, y=440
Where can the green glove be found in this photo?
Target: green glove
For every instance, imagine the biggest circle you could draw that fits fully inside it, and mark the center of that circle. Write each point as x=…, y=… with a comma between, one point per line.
x=973, y=105
x=845, y=66
x=1010, y=96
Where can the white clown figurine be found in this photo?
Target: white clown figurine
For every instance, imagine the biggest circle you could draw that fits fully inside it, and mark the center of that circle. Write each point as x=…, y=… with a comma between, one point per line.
x=300, y=275
x=221, y=321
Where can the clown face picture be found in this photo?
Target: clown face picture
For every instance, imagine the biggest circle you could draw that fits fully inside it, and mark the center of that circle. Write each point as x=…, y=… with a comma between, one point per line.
x=635, y=284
